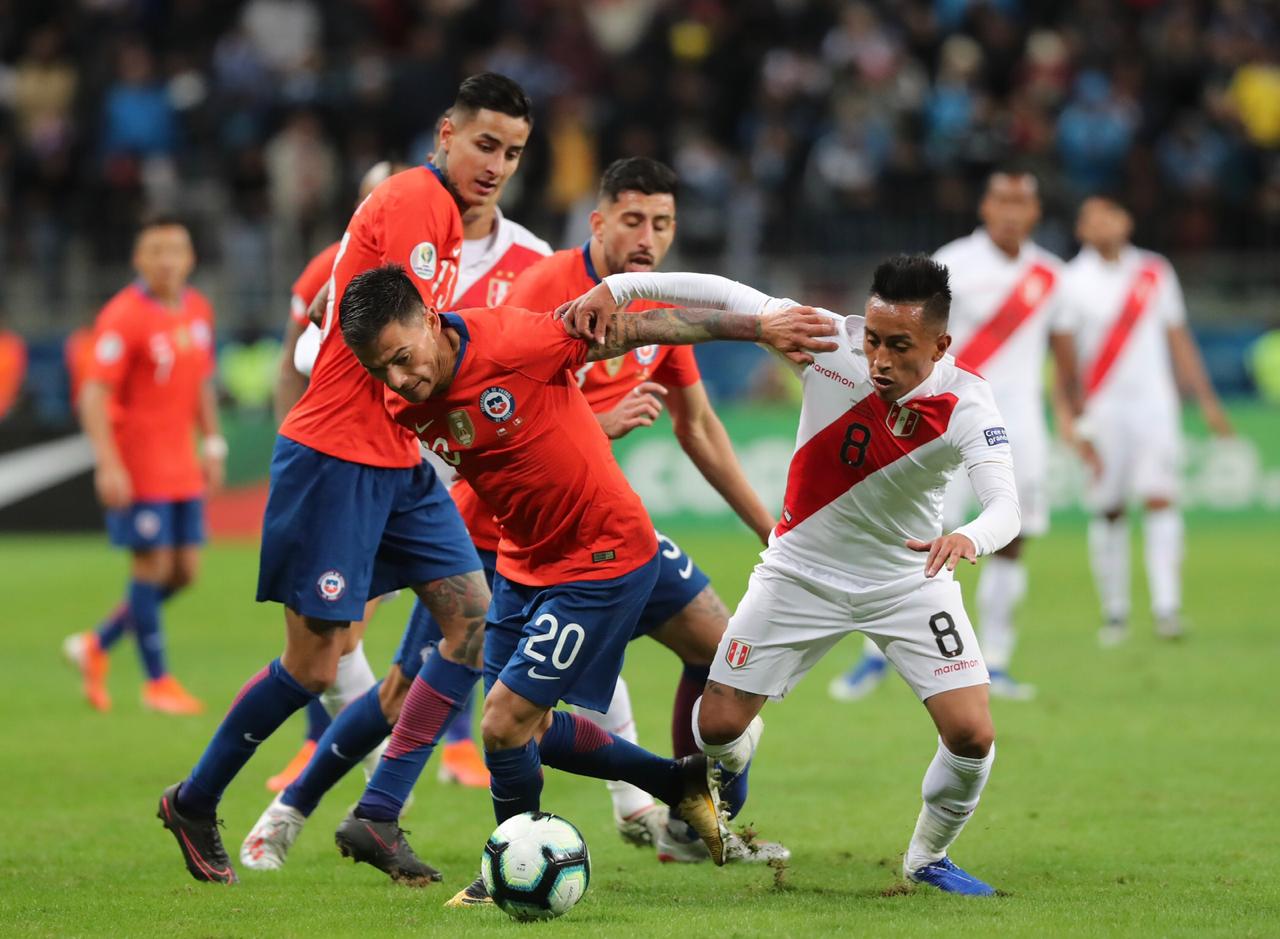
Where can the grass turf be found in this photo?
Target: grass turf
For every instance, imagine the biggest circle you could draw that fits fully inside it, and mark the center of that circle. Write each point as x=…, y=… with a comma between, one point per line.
x=1132, y=798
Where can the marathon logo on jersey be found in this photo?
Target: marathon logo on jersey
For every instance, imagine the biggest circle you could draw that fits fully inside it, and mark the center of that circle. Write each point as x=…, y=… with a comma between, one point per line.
x=331, y=585
x=461, y=428
x=901, y=421
x=109, y=349
x=497, y=404
x=645, y=355
x=737, y=653
x=995, y=436
x=834, y=376
x=498, y=289
x=422, y=260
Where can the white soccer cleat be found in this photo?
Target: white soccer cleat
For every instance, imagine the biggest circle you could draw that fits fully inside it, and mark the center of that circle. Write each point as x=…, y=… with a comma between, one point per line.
x=269, y=841
x=642, y=828
x=739, y=850
x=1004, y=685
x=1170, y=627
x=675, y=847
x=1114, y=632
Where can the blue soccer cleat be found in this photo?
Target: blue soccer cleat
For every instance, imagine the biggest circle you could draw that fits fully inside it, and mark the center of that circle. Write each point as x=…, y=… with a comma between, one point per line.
x=1004, y=685
x=859, y=681
x=948, y=878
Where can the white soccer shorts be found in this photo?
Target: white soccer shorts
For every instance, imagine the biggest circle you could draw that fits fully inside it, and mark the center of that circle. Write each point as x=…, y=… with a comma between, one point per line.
x=1141, y=457
x=786, y=622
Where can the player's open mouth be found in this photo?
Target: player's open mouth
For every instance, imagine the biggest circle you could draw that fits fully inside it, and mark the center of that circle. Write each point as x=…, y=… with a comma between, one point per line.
x=882, y=382
x=641, y=260
x=485, y=189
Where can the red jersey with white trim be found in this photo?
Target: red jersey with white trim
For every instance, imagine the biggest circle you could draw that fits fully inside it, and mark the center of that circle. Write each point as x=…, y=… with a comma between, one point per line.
x=868, y=474
x=155, y=360
x=518, y=429
x=1002, y=312
x=409, y=219
x=490, y=265
x=1124, y=310
x=314, y=276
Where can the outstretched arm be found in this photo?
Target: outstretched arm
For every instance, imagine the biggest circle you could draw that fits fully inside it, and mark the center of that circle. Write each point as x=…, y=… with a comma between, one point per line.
x=1188, y=368
x=794, y=329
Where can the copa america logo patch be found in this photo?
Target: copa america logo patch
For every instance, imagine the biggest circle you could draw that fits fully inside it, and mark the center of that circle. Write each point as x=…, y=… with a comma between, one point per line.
x=996, y=436
x=422, y=260
x=646, y=354
x=737, y=653
x=331, y=585
x=497, y=404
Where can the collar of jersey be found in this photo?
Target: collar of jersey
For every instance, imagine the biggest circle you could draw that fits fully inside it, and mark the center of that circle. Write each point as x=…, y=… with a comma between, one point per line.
x=458, y=325
x=925, y=388
x=586, y=260
x=140, y=285
x=435, y=170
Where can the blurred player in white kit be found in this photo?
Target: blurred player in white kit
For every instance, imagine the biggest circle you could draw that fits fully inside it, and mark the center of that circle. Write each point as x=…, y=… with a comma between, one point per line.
x=1006, y=314
x=887, y=418
x=1135, y=349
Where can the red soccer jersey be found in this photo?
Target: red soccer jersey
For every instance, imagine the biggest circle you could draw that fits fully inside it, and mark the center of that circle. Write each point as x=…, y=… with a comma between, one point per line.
x=410, y=219
x=155, y=361
x=522, y=434
x=314, y=276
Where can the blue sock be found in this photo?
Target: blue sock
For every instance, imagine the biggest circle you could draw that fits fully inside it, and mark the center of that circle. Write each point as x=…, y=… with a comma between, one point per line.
x=733, y=789
x=460, y=726
x=262, y=705
x=318, y=720
x=351, y=737
x=577, y=745
x=144, y=614
x=435, y=697
x=515, y=780
x=112, y=628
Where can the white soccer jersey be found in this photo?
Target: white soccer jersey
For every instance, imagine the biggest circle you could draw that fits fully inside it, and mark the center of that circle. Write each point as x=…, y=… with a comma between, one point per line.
x=1123, y=310
x=1002, y=312
x=867, y=475
x=489, y=265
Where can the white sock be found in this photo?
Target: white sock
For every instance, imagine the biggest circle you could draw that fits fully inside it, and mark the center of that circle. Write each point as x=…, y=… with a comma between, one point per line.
x=951, y=790
x=870, y=650
x=1001, y=587
x=1163, y=531
x=734, y=755
x=1109, y=558
x=627, y=799
x=354, y=678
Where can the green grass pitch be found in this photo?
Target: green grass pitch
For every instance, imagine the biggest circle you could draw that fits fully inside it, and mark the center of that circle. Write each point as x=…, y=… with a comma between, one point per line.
x=1136, y=796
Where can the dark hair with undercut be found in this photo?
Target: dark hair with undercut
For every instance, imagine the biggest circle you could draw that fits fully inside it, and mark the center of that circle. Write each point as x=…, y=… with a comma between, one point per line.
x=161, y=220
x=374, y=299
x=1109, y=196
x=490, y=91
x=915, y=278
x=638, y=174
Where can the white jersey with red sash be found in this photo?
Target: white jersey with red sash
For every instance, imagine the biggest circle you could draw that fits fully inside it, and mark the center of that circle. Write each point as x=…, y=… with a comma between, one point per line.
x=490, y=264
x=869, y=474
x=1123, y=311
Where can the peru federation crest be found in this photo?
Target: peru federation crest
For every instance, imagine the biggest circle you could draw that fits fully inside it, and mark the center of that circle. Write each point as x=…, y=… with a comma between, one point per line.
x=901, y=421
x=737, y=654
x=461, y=428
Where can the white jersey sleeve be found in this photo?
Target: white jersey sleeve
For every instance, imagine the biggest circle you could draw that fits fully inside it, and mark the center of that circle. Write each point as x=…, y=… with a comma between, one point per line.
x=1173, y=306
x=978, y=434
x=695, y=290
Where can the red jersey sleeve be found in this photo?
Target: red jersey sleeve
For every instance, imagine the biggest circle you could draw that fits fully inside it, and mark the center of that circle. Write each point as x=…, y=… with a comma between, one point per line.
x=114, y=343
x=678, y=368
x=550, y=282
x=526, y=330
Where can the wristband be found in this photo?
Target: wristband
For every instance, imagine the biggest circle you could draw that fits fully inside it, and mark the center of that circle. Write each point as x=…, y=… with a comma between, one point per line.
x=215, y=447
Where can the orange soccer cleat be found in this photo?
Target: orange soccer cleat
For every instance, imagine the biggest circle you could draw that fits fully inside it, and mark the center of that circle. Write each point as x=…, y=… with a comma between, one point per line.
x=462, y=763
x=293, y=769
x=84, y=654
x=165, y=695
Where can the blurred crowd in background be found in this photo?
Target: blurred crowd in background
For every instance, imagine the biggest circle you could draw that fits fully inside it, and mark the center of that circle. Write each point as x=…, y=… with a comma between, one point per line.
x=802, y=130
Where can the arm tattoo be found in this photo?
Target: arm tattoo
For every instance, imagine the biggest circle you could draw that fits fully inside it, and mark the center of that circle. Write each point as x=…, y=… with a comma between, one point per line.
x=673, y=327
x=459, y=604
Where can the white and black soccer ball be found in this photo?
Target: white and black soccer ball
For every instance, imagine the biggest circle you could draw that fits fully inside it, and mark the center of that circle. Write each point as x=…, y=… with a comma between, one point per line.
x=536, y=866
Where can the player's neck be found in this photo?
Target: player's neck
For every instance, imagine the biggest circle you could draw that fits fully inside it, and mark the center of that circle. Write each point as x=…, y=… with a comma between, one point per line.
x=170, y=299
x=479, y=222
x=598, y=261
x=447, y=360
x=1110, y=253
x=1009, y=250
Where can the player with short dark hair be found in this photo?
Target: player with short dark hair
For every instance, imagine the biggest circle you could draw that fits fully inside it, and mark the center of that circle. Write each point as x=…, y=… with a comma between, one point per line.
x=353, y=512
x=578, y=557
x=632, y=229
x=147, y=392
x=887, y=418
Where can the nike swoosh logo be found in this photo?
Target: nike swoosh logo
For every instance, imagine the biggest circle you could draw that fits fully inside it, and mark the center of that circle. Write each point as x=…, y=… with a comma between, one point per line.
x=419, y=428
x=253, y=740
x=533, y=673
x=333, y=748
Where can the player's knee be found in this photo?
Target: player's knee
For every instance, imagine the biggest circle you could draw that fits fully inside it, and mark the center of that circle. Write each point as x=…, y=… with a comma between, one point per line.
x=1113, y=515
x=183, y=576
x=972, y=739
x=391, y=694
x=1159, y=504
x=720, y=725
x=315, y=676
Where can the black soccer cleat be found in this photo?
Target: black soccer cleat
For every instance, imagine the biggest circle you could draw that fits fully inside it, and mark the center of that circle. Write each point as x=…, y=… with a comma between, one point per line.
x=383, y=845
x=199, y=841
x=473, y=894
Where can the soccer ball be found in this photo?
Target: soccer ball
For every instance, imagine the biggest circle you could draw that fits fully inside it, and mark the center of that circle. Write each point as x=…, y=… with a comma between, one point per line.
x=536, y=866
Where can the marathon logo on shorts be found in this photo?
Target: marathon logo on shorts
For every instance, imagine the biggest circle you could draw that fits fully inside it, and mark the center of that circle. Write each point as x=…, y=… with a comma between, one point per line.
x=955, y=667
x=737, y=653
x=995, y=436
x=422, y=260
x=901, y=421
x=461, y=428
x=331, y=585
x=497, y=404
x=646, y=354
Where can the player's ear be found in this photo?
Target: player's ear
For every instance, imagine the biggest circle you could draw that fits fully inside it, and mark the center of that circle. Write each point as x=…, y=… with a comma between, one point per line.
x=431, y=319
x=445, y=135
x=943, y=344
x=597, y=224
